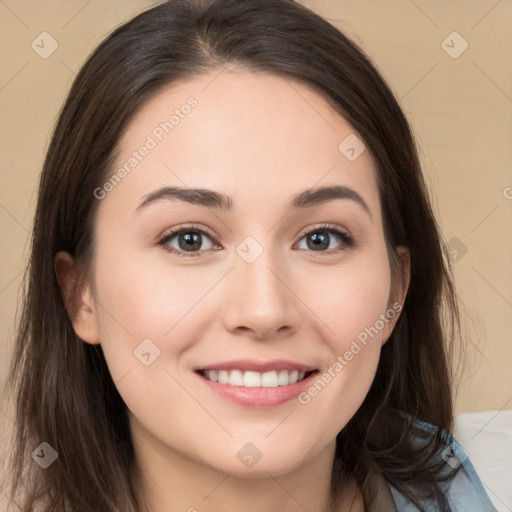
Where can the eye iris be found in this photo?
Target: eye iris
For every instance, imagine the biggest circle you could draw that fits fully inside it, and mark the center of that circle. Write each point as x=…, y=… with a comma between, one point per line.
x=318, y=241
x=189, y=241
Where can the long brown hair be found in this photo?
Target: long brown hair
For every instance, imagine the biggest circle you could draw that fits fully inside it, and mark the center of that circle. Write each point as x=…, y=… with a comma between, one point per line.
x=63, y=390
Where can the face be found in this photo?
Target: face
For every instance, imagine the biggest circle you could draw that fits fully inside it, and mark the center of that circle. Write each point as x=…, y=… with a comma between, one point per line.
x=270, y=286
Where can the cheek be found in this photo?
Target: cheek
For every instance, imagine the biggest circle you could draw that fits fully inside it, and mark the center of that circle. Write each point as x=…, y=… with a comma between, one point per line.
x=351, y=304
x=137, y=302
x=140, y=292
x=348, y=299
x=144, y=330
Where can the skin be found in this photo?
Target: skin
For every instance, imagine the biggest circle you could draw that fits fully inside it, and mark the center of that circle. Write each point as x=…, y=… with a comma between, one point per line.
x=261, y=141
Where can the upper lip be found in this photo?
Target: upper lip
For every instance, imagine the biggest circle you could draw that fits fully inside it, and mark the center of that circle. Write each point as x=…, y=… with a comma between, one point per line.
x=257, y=366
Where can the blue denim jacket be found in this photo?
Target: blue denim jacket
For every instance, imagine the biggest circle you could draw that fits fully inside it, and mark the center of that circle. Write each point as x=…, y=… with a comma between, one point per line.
x=465, y=492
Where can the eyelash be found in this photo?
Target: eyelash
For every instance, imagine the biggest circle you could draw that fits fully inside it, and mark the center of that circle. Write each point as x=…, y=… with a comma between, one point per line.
x=347, y=241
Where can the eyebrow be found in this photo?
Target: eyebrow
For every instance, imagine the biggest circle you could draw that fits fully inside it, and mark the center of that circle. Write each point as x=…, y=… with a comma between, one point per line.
x=217, y=200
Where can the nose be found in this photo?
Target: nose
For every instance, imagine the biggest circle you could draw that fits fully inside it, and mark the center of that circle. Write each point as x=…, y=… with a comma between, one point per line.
x=260, y=299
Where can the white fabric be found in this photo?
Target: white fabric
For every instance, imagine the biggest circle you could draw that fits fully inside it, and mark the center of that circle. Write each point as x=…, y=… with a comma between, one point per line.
x=487, y=438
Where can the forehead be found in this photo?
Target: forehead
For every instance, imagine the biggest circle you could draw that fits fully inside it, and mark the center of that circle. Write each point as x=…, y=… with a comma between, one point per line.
x=250, y=135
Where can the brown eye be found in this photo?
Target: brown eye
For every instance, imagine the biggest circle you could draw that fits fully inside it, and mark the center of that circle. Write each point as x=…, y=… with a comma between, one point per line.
x=187, y=241
x=321, y=239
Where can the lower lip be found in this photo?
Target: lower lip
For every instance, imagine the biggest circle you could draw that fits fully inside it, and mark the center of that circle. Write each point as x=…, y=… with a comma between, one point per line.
x=259, y=397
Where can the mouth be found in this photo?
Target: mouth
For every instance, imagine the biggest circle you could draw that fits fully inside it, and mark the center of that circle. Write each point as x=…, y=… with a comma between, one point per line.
x=257, y=384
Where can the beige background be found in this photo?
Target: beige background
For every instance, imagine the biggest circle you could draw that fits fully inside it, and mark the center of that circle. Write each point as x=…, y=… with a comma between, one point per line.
x=460, y=109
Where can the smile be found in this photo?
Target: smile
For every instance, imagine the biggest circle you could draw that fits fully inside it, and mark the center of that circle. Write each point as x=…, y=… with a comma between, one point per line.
x=257, y=384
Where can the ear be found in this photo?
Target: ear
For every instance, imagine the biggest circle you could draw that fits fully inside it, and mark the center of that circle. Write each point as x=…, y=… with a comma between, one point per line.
x=398, y=292
x=77, y=297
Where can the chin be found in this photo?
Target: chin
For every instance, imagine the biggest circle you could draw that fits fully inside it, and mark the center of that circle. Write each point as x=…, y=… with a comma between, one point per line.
x=247, y=461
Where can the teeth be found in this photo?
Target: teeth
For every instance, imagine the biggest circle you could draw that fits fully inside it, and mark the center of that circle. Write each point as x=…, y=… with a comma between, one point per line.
x=251, y=379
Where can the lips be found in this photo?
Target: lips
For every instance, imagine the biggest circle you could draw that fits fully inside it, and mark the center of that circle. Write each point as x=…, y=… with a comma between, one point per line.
x=257, y=383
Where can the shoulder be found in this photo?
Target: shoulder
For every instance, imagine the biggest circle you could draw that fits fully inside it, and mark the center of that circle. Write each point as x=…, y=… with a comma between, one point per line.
x=463, y=490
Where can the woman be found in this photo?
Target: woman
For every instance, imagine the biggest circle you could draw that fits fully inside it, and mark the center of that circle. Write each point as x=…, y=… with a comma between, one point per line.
x=238, y=297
